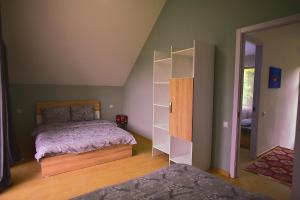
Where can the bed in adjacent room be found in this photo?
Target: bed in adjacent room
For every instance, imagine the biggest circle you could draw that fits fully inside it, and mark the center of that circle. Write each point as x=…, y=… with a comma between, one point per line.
x=70, y=136
x=177, y=181
x=246, y=128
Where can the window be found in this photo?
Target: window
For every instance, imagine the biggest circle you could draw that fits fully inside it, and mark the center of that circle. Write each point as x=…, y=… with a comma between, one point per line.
x=248, y=87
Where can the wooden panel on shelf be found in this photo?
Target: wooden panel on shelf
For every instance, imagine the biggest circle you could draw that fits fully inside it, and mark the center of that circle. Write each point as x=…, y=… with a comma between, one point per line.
x=69, y=162
x=181, y=96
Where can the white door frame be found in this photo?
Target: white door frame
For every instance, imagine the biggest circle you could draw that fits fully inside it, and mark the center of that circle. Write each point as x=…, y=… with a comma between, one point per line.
x=296, y=174
x=240, y=36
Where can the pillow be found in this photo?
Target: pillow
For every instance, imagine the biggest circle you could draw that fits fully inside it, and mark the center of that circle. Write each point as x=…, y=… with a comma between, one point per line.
x=82, y=113
x=56, y=114
x=246, y=122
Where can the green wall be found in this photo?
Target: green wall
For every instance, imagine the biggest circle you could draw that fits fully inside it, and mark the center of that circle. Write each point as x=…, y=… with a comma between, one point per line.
x=24, y=97
x=182, y=21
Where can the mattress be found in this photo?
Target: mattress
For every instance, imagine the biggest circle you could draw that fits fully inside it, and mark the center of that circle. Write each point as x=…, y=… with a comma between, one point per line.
x=177, y=181
x=78, y=137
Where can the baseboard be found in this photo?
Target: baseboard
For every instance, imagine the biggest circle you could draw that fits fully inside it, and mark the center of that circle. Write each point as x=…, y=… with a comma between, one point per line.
x=220, y=172
x=139, y=135
x=266, y=152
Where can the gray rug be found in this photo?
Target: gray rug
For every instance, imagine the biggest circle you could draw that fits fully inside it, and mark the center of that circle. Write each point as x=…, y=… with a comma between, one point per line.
x=177, y=181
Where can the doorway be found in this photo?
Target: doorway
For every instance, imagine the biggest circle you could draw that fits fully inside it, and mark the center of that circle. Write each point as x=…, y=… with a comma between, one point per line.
x=239, y=72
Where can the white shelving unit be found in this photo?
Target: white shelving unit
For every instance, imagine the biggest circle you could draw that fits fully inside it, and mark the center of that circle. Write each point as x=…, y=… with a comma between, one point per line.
x=197, y=63
x=167, y=65
x=162, y=66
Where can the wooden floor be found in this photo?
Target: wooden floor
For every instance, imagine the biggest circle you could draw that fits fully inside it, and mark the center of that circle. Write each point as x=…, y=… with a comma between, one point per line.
x=28, y=183
x=258, y=183
x=245, y=139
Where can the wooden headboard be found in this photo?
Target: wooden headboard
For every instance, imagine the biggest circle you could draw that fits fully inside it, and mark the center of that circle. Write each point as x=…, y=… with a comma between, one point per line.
x=40, y=106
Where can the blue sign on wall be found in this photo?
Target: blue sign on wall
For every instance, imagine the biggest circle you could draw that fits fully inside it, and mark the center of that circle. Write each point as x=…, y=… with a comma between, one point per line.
x=275, y=77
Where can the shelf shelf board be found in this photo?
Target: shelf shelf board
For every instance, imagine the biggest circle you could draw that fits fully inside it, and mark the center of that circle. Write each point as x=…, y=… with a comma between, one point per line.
x=160, y=105
x=161, y=83
x=164, y=127
x=185, y=52
x=163, y=147
x=165, y=61
x=183, y=159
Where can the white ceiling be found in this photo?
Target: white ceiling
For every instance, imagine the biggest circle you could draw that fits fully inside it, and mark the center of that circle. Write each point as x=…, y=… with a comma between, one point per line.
x=76, y=42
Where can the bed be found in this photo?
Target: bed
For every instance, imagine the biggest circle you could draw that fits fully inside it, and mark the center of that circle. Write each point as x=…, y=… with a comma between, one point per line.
x=69, y=144
x=178, y=181
x=246, y=118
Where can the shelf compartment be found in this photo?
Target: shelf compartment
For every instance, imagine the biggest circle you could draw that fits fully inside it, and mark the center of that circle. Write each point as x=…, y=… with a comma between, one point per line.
x=163, y=147
x=162, y=55
x=180, y=151
x=164, y=127
x=185, y=52
x=161, y=94
x=162, y=72
x=161, y=140
x=161, y=117
x=183, y=66
x=164, y=60
x=182, y=159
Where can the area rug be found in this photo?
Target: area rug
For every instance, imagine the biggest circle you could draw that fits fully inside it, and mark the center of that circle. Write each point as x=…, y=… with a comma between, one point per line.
x=276, y=164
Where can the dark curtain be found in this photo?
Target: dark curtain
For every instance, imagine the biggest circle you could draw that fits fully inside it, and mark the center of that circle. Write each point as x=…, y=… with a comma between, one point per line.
x=8, y=151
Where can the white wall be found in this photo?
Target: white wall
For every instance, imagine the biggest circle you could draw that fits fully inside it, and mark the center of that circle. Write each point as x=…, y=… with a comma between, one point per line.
x=278, y=125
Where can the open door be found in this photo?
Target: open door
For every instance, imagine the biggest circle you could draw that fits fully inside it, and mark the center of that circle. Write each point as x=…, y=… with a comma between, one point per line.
x=256, y=97
x=250, y=95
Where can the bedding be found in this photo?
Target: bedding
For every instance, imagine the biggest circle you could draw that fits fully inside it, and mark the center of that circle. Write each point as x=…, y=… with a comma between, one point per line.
x=56, y=114
x=246, y=122
x=78, y=137
x=82, y=113
x=177, y=181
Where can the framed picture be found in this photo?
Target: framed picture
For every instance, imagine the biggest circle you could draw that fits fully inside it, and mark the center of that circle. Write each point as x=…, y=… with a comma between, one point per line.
x=275, y=77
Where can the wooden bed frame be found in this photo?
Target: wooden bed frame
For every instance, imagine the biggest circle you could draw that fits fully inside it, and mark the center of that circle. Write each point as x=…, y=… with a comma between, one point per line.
x=68, y=162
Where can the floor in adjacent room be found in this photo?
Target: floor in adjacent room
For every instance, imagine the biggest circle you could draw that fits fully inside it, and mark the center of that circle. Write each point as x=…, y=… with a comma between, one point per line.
x=258, y=183
x=28, y=183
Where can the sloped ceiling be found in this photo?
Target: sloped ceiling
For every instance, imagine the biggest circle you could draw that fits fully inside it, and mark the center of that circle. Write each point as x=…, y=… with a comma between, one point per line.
x=76, y=42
